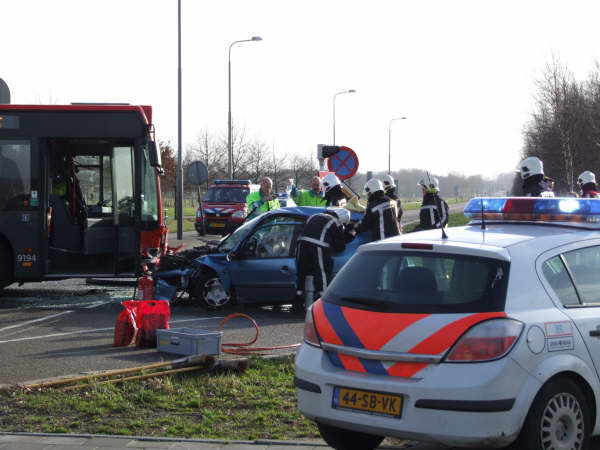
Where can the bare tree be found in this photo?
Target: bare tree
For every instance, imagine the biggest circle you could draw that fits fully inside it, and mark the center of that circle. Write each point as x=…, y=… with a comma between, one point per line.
x=561, y=128
x=257, y=160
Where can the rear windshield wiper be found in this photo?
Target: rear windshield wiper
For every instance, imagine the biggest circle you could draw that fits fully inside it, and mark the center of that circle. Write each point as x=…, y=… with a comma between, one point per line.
x=366, y=302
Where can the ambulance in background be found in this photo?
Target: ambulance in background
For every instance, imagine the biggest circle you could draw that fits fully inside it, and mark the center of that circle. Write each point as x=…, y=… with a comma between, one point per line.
x=223, y=207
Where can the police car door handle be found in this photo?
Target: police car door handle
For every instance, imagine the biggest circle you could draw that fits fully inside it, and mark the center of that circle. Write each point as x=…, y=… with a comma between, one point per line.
x=284, y=269
x=595, y=333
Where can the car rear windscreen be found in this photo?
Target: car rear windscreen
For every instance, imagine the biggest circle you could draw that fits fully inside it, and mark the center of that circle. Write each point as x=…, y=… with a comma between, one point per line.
x=420, y=282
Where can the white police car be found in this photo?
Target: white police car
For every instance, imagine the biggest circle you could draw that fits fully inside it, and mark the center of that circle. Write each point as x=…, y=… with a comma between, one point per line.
x=484, y=338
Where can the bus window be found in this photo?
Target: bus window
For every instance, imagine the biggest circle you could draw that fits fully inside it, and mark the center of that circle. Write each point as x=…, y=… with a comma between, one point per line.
x=88, y=177
x=123, y=182
x=15, y=174
x=149, y=190
x=107, y=181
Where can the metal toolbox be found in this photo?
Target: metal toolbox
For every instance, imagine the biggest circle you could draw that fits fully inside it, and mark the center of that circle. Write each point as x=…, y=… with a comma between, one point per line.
x=189, y=341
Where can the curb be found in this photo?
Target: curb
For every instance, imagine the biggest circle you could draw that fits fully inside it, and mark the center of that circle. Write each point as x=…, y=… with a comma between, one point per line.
x=262, y=442
x=168, y=439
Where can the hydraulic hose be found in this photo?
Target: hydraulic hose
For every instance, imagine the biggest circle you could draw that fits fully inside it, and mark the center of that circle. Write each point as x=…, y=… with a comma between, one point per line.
x=244, y=347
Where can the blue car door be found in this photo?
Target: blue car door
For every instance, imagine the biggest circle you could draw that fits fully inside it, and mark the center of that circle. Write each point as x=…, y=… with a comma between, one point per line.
x=265, y=266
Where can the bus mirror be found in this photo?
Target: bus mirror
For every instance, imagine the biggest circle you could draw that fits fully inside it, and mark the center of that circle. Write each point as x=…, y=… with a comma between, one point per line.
x=154, y=154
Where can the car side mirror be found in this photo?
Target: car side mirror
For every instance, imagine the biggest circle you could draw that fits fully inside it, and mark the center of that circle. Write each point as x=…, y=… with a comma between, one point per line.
x=230, y=256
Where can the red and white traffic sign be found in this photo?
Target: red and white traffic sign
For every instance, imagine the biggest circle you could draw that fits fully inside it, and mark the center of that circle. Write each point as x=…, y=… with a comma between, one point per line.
x=344, y=163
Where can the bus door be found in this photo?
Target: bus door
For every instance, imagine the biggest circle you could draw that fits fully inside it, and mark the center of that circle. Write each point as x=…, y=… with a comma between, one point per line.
x=91, y=232
x=126, y=243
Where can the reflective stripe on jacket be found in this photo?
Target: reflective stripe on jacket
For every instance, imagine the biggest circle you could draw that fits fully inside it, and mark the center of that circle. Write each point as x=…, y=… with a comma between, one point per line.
x=380, y=217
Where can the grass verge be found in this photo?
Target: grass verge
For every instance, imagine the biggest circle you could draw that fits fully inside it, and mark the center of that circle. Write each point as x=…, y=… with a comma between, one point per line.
x=258, y=404
x=188, y=225
x=170, y=212
x=455, y=220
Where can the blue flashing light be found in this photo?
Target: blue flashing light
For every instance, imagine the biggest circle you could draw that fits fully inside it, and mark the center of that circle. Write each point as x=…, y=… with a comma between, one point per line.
x=476, y=205
x=232, y=182
x=583, y=212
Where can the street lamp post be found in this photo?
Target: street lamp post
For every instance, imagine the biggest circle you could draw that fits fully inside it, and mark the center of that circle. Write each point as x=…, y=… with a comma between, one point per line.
x=350, y=91
x=390, y=142
x=229, y=148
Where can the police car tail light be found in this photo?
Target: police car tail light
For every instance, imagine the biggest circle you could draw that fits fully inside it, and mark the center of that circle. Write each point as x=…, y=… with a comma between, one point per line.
x=310, y=331
x=486, y=341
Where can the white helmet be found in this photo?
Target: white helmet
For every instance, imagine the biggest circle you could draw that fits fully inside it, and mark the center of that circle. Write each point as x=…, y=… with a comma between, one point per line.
x=430, y=183
x=372, y=186
x=329, y=181
x=531, y=166
x=342, y=213
x=388, y=181
x=586, y=177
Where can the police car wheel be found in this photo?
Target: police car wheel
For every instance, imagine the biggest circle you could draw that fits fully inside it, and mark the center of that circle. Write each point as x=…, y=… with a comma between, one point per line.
x=213, y=292
x=6, y=270
x=559, y=418
x=341, y=439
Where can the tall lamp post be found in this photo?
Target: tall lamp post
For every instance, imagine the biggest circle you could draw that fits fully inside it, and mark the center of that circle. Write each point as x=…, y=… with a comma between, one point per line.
x=229, y=149
x=390, y=142
x=350, y=91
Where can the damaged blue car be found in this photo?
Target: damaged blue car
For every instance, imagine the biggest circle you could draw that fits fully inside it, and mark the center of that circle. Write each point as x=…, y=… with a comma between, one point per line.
x=256, y=264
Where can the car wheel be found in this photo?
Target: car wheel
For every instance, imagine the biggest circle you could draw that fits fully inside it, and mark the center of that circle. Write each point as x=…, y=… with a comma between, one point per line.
x=6, y=269
x=208, y=287
x=341, y=439
x=559, y=418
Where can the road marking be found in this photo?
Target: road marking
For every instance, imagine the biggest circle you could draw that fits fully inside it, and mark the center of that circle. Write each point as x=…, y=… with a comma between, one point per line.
x=30, y=338
x=35, y=321
x=41, y=319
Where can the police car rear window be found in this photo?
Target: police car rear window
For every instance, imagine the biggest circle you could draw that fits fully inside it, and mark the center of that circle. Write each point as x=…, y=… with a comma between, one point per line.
x=420, y=282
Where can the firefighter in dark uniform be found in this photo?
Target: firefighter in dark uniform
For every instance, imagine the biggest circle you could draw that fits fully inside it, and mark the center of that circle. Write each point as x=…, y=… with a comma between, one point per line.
x=434, y=211
x=389, y=189
x=587, y=184
x=532, y=174
x=381, y=216
x=322, y=234
x=334, y=195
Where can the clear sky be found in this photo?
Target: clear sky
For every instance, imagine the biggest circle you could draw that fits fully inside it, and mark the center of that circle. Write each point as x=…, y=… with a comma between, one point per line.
x=462, y=72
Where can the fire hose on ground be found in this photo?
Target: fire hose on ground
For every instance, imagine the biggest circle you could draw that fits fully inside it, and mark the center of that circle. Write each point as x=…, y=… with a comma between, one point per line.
x=244, y=348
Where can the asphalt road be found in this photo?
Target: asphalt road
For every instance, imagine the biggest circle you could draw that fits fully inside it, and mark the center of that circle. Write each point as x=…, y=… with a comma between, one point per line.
x=54, y=329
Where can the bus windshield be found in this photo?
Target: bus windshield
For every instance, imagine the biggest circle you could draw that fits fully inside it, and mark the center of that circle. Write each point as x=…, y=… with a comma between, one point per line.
x=149, y=190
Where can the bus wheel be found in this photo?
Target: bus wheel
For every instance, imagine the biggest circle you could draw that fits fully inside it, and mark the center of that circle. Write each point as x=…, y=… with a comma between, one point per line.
x=6, y=270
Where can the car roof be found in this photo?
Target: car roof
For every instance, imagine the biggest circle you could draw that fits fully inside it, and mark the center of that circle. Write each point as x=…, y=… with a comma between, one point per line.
x=494, y=241
x=297, y=211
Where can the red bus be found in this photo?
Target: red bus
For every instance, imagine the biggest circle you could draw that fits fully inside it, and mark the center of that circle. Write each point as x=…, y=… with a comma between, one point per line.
x=79, y=192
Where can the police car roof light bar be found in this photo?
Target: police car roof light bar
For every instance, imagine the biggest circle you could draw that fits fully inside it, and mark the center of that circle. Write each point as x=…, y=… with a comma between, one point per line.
x=581, y=212
x=232, y=182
